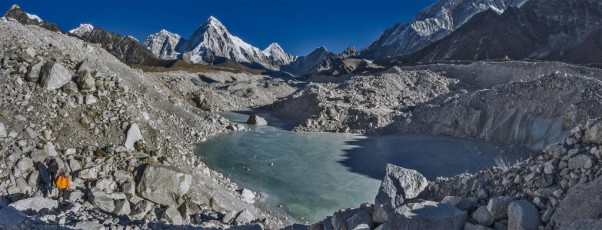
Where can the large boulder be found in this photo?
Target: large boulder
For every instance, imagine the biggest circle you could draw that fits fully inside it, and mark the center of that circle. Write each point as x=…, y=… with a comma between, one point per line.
x=34, y=205
x=133, y=135
x=498, y=207
x=593, y=135
x=582, y=201
x=426, y=215
x=54, y=76
x=482, y=216
x=103, y=200
x=399, y=185
x=256, y=120
x=163, y=184
x=523, y=214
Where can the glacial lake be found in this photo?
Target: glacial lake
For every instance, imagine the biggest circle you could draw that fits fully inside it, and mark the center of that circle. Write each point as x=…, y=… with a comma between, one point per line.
x=308, y=176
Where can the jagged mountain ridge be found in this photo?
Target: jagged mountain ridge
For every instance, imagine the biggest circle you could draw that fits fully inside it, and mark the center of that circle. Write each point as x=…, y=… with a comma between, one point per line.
x=25, y=18
x=430, y=25
x=212, y=41
x=543, y=30
x=125, y=48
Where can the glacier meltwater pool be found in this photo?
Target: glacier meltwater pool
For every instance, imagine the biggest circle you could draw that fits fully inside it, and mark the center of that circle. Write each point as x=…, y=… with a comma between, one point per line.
x=310, y=175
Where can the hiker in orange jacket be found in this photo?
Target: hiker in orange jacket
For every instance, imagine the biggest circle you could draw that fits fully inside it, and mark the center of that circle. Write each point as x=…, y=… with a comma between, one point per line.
x=63, y=184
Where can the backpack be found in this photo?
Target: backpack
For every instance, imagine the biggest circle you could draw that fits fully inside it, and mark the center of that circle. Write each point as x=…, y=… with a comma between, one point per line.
x=53, y=166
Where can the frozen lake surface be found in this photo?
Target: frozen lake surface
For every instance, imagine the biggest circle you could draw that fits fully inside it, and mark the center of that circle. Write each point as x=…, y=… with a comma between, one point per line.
x=310, y=175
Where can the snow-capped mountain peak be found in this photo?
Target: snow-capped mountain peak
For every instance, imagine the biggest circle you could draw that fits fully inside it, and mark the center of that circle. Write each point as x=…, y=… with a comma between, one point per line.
x=16, y=7
x=164, y=44
x=432, y=24
x=211, y=41
x=272, y=49
x=82, y=29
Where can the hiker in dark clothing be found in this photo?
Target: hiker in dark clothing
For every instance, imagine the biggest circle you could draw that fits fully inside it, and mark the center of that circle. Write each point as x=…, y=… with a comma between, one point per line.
x=53, y=169
x=43, y=179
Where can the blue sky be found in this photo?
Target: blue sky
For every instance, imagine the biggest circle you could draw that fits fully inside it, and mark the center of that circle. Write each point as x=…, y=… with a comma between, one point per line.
x=299, y=26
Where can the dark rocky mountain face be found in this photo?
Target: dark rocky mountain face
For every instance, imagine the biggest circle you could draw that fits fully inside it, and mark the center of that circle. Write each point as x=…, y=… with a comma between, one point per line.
x=126, y=49
x=541, y=29
x=28, y=19
x=308, y=64
x=430, y=25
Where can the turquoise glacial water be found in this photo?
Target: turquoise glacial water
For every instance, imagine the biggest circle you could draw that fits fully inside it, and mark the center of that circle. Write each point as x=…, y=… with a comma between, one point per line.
x=310, y=175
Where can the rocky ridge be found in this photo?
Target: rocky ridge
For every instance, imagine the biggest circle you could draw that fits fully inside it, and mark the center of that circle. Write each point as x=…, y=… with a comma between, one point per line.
x=529, y=32
x=360, y=103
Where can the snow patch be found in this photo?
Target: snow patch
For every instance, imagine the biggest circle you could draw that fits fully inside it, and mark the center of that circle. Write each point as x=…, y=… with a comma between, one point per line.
x=34, y=17
x=82, y=29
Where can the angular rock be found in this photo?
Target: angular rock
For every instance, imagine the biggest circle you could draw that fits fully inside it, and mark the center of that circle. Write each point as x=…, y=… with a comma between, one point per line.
x=248, y=196
x=359, y=220
x=133, y=135
x=582, y=201
x=256, y=120
x=498, y=207
x=523, y=214
x=339, y=218
x=54, y=76
x=86, y=82
x=426, y=215
x=581, y=161
x=244, y=217
x=141, y=208
x=90, y=99
x=399, y=185
x=593, y=135
x=379, y=215
x=2, y=130
x=49, y=149
x=25, y=164
x=172, y=215
x=103, y=201
x=89, y=173
x=34, y=70
x=74, y=165
x=163, y=184
x=122, y=207
x=482, y=216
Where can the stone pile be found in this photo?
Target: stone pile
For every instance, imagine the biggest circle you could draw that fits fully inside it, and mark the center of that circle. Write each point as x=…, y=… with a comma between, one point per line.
x=127, y=149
